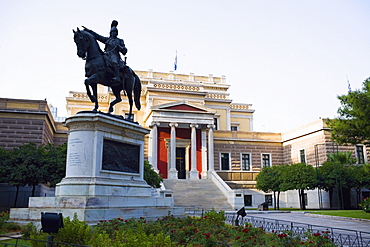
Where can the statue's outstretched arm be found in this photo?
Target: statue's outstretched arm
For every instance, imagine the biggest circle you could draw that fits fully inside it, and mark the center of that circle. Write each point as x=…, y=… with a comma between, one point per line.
x=97, y=36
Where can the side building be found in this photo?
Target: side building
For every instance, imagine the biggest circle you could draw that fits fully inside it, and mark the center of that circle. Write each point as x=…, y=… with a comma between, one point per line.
x=24, y=121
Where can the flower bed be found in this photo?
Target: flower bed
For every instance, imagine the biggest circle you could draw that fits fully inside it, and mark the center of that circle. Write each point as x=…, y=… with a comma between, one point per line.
x=210, y=230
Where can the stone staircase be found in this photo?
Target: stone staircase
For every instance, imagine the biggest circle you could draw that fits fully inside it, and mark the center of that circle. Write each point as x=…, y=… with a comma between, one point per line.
x=199, y=193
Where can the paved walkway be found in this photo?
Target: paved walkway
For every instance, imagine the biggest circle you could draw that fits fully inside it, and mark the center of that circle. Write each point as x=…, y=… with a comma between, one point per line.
x=318, y=220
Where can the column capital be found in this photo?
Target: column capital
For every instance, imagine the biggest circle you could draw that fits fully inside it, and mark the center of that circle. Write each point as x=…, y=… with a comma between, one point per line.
x=194, y=125
x=210, y=126
x=173, y=124
x=152, y=124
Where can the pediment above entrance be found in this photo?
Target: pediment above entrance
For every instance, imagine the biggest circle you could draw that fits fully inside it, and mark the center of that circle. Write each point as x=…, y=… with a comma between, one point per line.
x=182, y=106
x=181, y=112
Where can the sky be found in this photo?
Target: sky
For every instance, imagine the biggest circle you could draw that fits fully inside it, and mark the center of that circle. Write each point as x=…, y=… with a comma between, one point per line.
x=290, y=59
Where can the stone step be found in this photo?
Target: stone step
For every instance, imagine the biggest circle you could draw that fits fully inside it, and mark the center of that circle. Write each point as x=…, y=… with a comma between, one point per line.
x=202, y=193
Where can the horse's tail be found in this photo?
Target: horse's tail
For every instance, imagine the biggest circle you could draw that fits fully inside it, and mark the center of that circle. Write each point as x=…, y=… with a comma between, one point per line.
x=137, y=91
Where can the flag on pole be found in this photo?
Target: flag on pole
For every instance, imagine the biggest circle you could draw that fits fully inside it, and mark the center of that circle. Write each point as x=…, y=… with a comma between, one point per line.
x=349, y=86
x=175, y=64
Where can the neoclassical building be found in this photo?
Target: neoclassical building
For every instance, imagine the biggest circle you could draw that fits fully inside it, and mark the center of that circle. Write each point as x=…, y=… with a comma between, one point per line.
x=198, y=133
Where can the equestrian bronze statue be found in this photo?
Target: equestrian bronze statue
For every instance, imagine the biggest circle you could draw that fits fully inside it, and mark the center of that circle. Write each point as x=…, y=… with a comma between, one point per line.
x=107, y=68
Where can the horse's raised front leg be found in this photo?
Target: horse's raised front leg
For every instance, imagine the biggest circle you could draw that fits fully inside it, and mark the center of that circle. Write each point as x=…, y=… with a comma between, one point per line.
x=92, y=82
x=91, y=97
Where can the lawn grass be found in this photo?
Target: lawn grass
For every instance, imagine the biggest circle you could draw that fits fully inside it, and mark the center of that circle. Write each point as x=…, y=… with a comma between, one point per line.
x=358, y=214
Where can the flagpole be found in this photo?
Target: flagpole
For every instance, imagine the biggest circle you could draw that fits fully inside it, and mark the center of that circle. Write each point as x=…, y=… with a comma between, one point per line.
x=175, y=64
x=349, y=85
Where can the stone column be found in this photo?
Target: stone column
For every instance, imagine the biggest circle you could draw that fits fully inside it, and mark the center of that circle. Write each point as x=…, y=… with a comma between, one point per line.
x=211, y=163
x=193, y=171
x=172, y=173
x=204, y=154
x=154, y=146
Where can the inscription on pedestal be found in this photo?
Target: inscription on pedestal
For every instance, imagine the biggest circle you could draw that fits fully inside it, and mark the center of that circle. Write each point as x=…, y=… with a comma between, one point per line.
x=74, y=157
x=121, y=157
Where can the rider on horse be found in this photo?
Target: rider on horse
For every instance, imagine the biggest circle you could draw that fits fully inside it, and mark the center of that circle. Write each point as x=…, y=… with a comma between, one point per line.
x=113, y=46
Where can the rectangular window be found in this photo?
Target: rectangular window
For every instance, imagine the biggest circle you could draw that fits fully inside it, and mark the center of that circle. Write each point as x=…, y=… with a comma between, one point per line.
x=246, y=162
x=225, y=161
x=248, y=200
x=268, y=198
x=302, y=156
x=215, y=122
x=266, y=160
x=360, y=154
x=234, y=128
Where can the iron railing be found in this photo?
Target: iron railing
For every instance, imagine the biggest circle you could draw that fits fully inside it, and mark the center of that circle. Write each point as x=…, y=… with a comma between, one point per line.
x=340, y=237
x=11, y=241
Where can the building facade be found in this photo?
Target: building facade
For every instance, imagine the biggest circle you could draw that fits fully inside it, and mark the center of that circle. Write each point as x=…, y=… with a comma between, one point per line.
x=196, y=132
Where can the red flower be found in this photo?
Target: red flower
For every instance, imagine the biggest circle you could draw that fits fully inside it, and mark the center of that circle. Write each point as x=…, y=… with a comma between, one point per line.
x=316, y=234
x=237, y=237
x=207, y=235
x=326, y=237
x=245, y=230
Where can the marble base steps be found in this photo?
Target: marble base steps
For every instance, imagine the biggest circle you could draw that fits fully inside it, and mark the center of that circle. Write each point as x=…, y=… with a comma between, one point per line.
x=202, y=193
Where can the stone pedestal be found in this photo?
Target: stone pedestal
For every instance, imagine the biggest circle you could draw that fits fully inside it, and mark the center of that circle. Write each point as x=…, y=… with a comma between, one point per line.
x=104, y=175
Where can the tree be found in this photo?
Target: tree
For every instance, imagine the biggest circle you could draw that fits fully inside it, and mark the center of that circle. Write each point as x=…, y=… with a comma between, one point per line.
x=54, y=160
x=334, y=174
x=4, y=160
x=300, y=177
x=358, y=179
x=353, y=124
x=150, y=176
x=271, y=179
x=26, y=167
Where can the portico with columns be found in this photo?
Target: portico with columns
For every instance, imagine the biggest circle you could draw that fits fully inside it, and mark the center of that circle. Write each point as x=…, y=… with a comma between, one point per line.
x=181, y=140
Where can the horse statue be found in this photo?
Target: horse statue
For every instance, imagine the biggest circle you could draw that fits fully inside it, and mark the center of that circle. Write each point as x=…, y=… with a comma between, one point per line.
x=96, y=72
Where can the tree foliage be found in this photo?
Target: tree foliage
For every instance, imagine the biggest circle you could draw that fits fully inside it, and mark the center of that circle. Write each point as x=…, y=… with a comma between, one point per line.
x=31, y=165
x=340, y=172
x=353, y=124
x=54, y=160
x=150, y=176
x=270, y=179
x=300, y=177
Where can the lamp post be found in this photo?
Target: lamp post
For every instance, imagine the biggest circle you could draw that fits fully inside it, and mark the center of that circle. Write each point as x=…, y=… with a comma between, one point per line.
x=50, y=223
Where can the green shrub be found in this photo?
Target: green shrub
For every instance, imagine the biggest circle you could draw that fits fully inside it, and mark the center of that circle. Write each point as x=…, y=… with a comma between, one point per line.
x=150, y=176
x=28, y=230
x=4, y=216
x=6, y=226
x=74, y=232
x=366, y=205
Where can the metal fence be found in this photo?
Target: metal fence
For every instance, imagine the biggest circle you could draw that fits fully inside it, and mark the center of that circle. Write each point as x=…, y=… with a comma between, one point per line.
x=340, y=237
x=10, y=241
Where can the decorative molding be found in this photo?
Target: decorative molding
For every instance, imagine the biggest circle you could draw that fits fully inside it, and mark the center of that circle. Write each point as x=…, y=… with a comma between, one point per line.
x=177, y=87
x=216, y=96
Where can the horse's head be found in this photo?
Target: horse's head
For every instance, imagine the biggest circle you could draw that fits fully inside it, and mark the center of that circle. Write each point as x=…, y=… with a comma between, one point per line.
x=82, y=43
